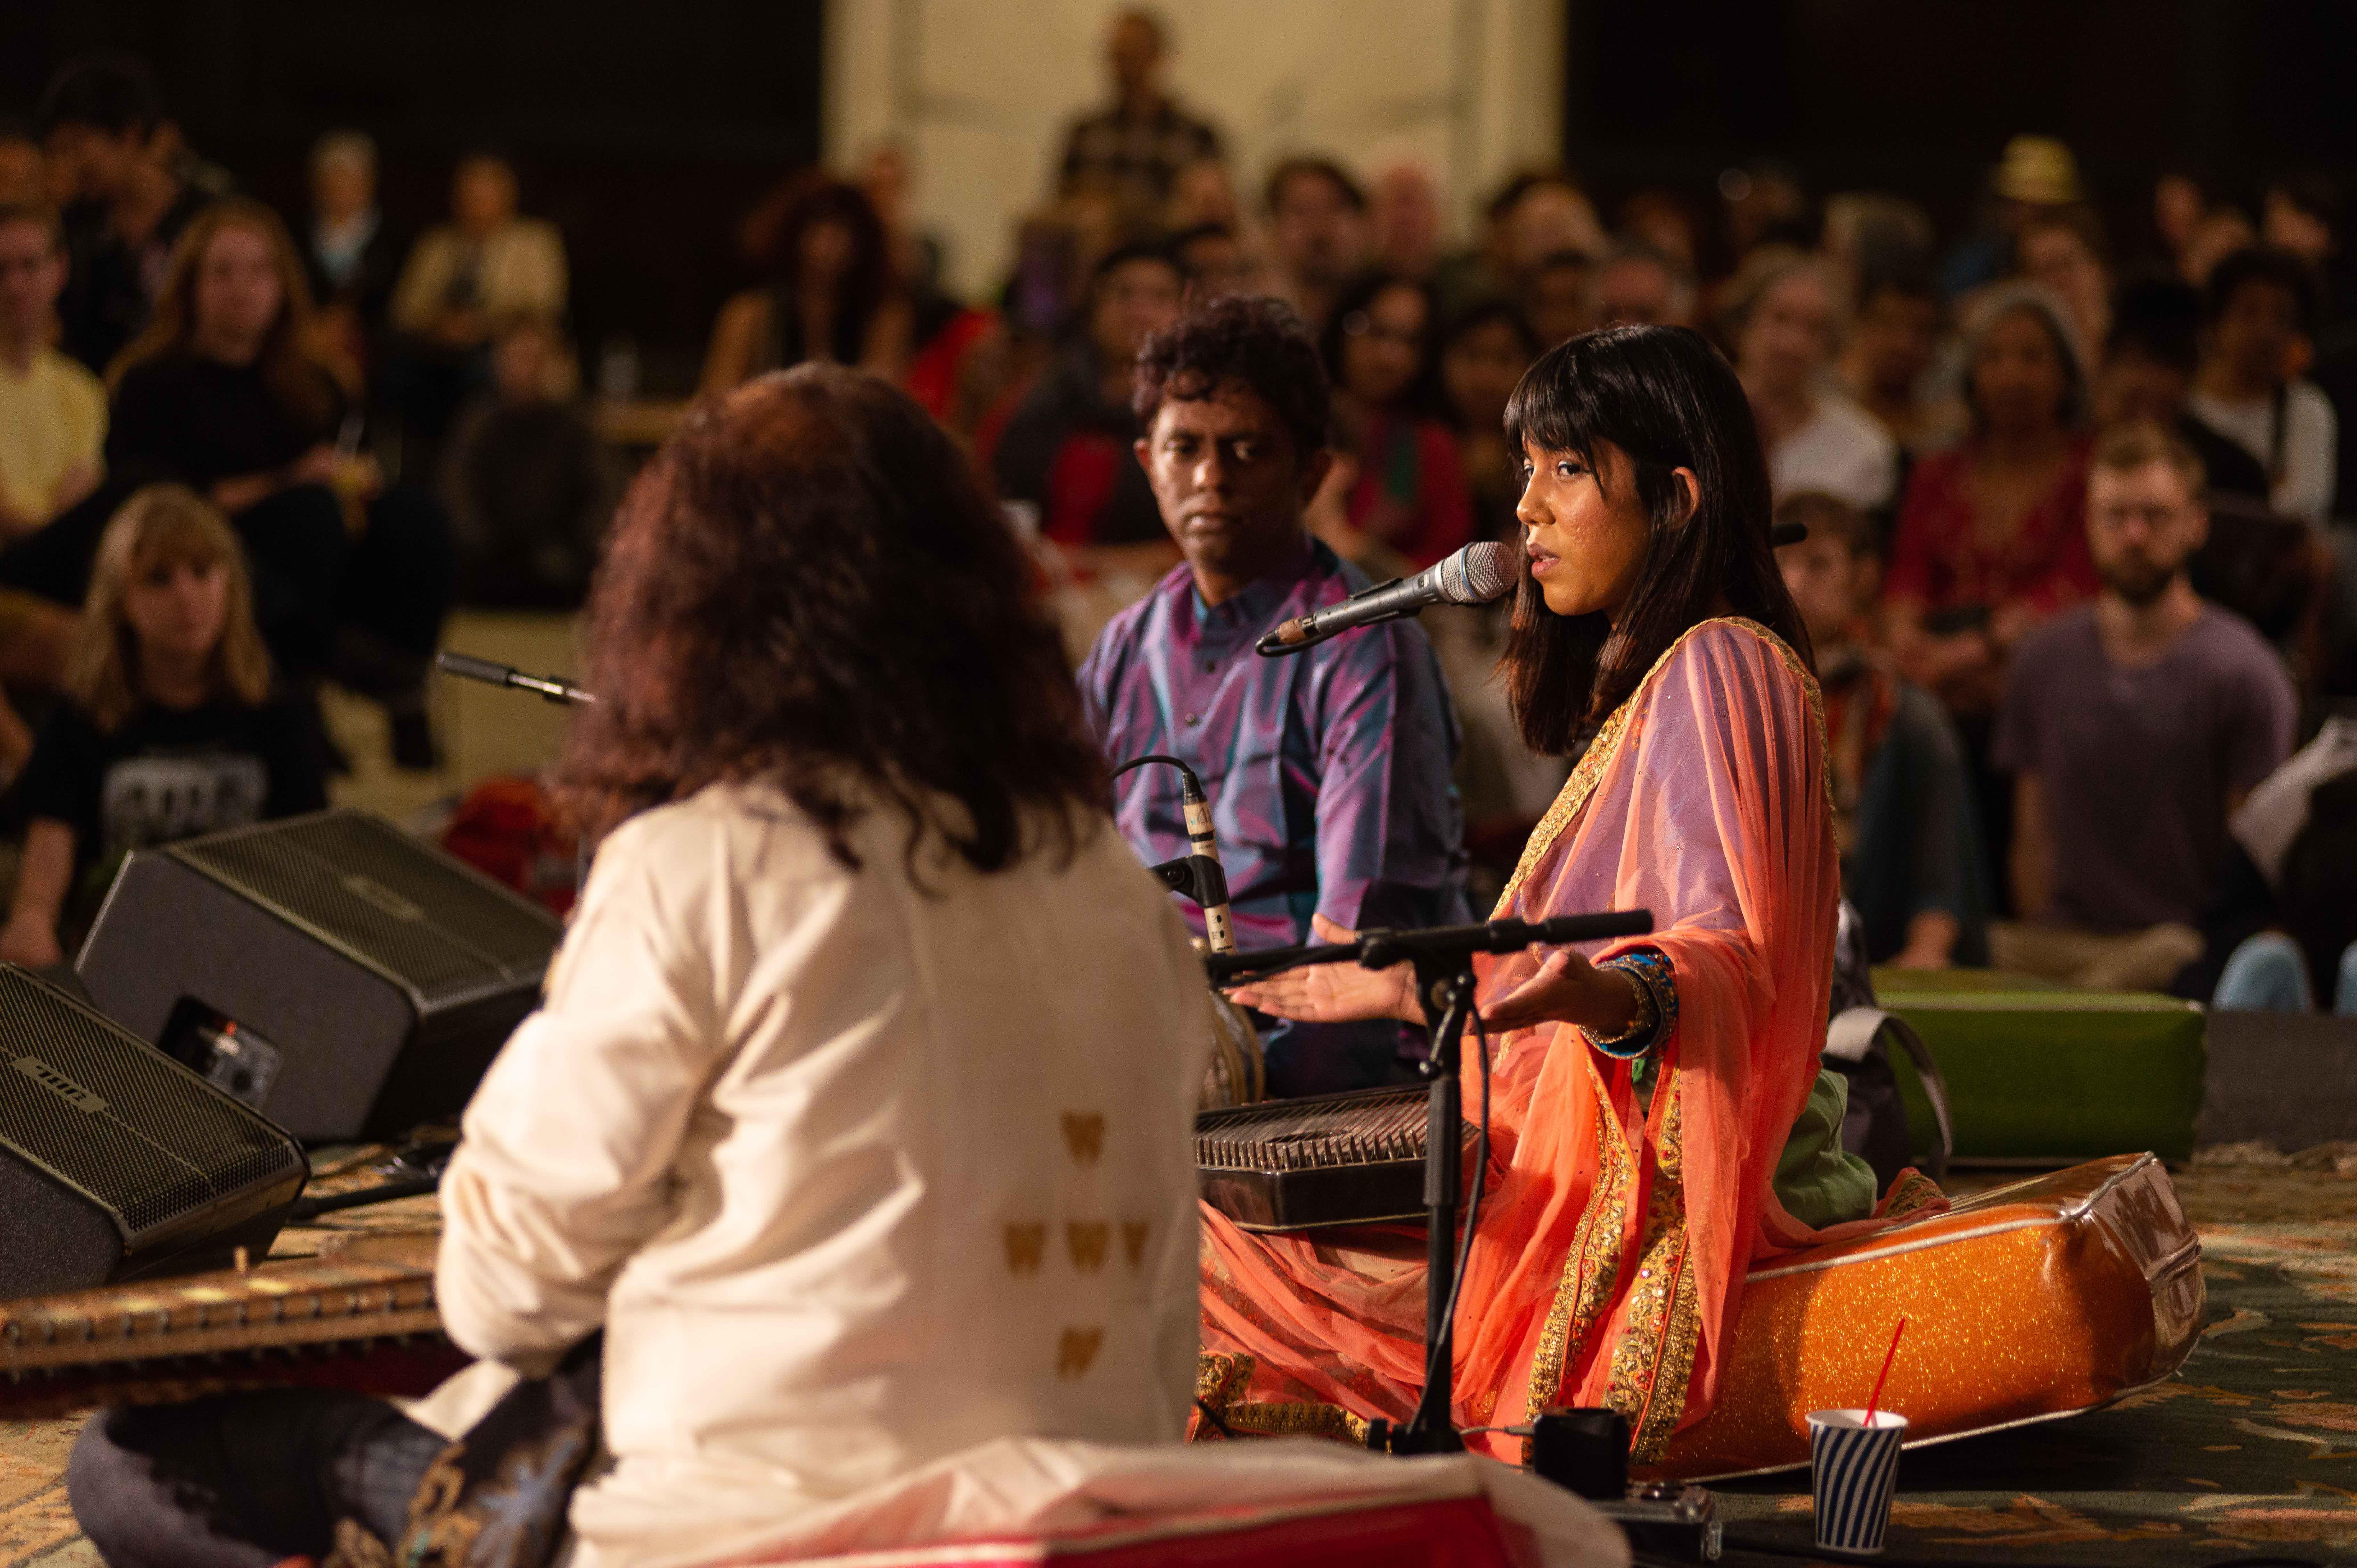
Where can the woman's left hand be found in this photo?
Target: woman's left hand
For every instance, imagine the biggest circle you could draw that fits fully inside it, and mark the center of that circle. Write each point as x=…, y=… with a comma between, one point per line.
x=1568, y=989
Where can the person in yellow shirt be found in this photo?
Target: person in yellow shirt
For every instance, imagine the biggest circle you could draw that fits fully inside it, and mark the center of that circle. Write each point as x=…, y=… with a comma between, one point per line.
x=52, y=426
x=53, y=411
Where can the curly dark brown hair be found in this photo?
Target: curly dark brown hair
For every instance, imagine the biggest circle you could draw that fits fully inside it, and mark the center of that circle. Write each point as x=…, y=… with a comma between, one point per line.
x=809, y=585
x=1258, y=342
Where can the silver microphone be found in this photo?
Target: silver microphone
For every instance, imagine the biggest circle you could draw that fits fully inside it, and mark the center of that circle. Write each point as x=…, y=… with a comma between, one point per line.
x=1474, y=575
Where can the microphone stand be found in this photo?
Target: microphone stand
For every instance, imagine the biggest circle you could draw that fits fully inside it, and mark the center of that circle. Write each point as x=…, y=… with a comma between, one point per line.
x=555, y=688
x=1443, y=960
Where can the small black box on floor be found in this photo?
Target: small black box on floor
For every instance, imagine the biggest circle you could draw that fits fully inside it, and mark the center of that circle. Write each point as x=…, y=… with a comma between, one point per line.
x=331, y=971
x=116, y=1163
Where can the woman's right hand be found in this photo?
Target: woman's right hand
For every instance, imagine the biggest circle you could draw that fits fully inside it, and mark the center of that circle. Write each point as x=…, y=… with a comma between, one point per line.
x=31, y=940
x=1334, y=993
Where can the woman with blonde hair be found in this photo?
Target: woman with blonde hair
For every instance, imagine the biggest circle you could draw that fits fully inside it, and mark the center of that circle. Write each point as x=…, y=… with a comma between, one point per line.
x=169, y=727
x=224, y=394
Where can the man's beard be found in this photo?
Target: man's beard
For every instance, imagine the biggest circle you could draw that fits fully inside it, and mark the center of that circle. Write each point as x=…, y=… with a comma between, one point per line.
x=2140, y=582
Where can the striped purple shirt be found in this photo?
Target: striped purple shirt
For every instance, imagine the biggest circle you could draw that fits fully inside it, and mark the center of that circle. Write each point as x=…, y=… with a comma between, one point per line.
x=1329, y=773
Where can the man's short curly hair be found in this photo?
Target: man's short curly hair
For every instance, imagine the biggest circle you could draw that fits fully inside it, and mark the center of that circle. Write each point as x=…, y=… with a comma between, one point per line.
x=1260, y=343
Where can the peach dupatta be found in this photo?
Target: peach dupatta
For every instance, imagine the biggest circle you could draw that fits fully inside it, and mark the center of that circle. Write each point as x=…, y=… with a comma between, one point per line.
x=1607, y=1265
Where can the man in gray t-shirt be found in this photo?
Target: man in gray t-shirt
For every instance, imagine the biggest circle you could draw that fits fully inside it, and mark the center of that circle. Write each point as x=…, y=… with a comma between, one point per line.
x=2132, y=726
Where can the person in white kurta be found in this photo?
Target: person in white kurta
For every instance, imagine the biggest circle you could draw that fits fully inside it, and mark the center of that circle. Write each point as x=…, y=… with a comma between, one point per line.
x=855, y=1173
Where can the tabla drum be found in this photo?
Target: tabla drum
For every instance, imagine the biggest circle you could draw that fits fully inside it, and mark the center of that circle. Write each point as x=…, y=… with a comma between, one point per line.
x=1238, y=1074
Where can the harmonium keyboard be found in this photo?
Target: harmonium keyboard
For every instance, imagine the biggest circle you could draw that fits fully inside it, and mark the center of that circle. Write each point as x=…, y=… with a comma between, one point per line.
x=361, y=1319
x=1329, y=1159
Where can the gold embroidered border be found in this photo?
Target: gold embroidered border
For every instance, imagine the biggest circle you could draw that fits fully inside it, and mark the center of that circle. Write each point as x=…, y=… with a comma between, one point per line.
x=1593, y=1264
x=1653, y=1360
x=1573, y=796
x=1912, y=1193
x=1296, y=1417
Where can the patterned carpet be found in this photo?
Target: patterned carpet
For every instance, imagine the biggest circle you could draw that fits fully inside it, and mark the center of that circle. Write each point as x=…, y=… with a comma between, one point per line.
x=2250, y=1452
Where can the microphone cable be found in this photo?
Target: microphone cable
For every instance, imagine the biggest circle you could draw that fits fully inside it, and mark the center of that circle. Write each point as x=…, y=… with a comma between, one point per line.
x=1201, y=862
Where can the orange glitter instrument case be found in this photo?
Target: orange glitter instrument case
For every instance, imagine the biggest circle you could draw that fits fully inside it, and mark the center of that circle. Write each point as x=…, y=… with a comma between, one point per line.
x=2041, y=1299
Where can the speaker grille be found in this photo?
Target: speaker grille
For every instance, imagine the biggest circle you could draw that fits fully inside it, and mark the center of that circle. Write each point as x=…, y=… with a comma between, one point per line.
x=385, y=898
x=116, y=1118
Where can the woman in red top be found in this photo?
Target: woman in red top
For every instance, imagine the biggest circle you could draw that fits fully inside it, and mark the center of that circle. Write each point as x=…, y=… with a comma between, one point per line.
x=1992, y=536
x=1409, y=500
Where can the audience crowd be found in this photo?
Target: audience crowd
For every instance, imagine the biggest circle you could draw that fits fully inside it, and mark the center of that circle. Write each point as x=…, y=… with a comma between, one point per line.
x=2076, y=571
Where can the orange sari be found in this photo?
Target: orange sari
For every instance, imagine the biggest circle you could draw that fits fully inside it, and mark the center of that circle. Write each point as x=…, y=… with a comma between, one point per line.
x=1608, y=1265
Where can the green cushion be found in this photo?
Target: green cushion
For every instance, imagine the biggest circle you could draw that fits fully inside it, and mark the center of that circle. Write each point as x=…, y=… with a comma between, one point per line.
x=2042, y=1072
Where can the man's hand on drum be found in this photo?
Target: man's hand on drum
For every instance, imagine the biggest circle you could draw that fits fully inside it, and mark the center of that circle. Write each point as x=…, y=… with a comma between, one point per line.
x=1334, y=993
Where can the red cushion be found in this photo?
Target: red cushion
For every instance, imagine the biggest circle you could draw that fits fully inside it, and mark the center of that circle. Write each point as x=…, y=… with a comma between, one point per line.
x=1454, y=1532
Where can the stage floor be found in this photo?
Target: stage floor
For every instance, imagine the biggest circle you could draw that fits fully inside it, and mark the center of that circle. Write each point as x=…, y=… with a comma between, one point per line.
x=2251, y=1447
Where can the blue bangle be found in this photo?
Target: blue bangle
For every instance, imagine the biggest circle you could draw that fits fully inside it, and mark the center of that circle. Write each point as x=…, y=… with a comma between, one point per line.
x=1657, y=1005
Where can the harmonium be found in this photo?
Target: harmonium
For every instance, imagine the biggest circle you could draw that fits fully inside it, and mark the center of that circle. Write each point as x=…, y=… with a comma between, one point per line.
x=360, y=1319
x=1329, y=1159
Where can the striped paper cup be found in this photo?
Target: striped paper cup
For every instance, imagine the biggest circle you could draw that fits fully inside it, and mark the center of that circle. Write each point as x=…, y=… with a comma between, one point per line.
x=1852, y=1470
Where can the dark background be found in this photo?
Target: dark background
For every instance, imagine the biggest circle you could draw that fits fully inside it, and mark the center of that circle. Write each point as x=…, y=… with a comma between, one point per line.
x=645, y=128
x=1919, y=96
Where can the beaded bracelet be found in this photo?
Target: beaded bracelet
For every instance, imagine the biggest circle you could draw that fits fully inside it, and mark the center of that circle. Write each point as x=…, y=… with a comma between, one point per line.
x=1657, y=1004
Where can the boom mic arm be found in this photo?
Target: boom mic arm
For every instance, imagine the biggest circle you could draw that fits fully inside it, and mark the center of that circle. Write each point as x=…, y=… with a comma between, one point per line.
x=555, y=688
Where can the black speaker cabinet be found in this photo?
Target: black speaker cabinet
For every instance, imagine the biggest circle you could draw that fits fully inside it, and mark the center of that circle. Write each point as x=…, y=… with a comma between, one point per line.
x=116, y=1163
x=331, y=971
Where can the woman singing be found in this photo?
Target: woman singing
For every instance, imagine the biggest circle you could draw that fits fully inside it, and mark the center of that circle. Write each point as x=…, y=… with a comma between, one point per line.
x=1653, y=1123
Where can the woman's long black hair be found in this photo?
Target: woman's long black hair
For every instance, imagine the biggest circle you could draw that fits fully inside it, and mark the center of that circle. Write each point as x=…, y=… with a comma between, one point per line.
x=1663, y=396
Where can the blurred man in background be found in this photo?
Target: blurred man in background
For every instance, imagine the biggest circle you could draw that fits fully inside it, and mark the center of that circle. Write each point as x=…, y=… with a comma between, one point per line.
x=1133, y=149
x=2132, y=726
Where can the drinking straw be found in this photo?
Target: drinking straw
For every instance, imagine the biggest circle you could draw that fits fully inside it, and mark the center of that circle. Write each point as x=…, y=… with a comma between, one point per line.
x=1874, y=1400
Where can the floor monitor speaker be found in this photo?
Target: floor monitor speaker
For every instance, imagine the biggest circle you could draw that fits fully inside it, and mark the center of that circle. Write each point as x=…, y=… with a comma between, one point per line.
x=117, y=1163
x=342, y=976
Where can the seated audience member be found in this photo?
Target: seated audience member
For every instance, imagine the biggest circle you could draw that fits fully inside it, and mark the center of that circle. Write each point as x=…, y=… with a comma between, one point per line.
x=1992, y=535
x=1133, y=149
x=2301, y=213
x=1902, y=804
x=2035, y=174
x=23, y=175
x=1409, y=505
x=53, y=411
x=352, y=577
x=524, y=481
x=1405, y=216
x=1558, y=297
x=2258, y=307
x=103, y=130
x=1485, y=350
x=1870, y=234
x=1536, y=215
x=1642, y=285
x=780, y=1125
x=2298, y=828
x=1893, y=340
x=1070, y=448
x=1316, y=235
x=2150, y=363
x=348, y=255
x=170, y=728
x=1783, y=319
x=1214, y=261
x=1328, y=771
x=1202, y=192
x=2179, y=205
x=464, y=281
x=2132, y=726
x=2064, y=248
x=834, y=299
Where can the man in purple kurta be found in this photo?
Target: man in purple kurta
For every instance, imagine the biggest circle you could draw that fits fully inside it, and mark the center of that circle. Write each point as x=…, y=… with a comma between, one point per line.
x=1328, y=770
